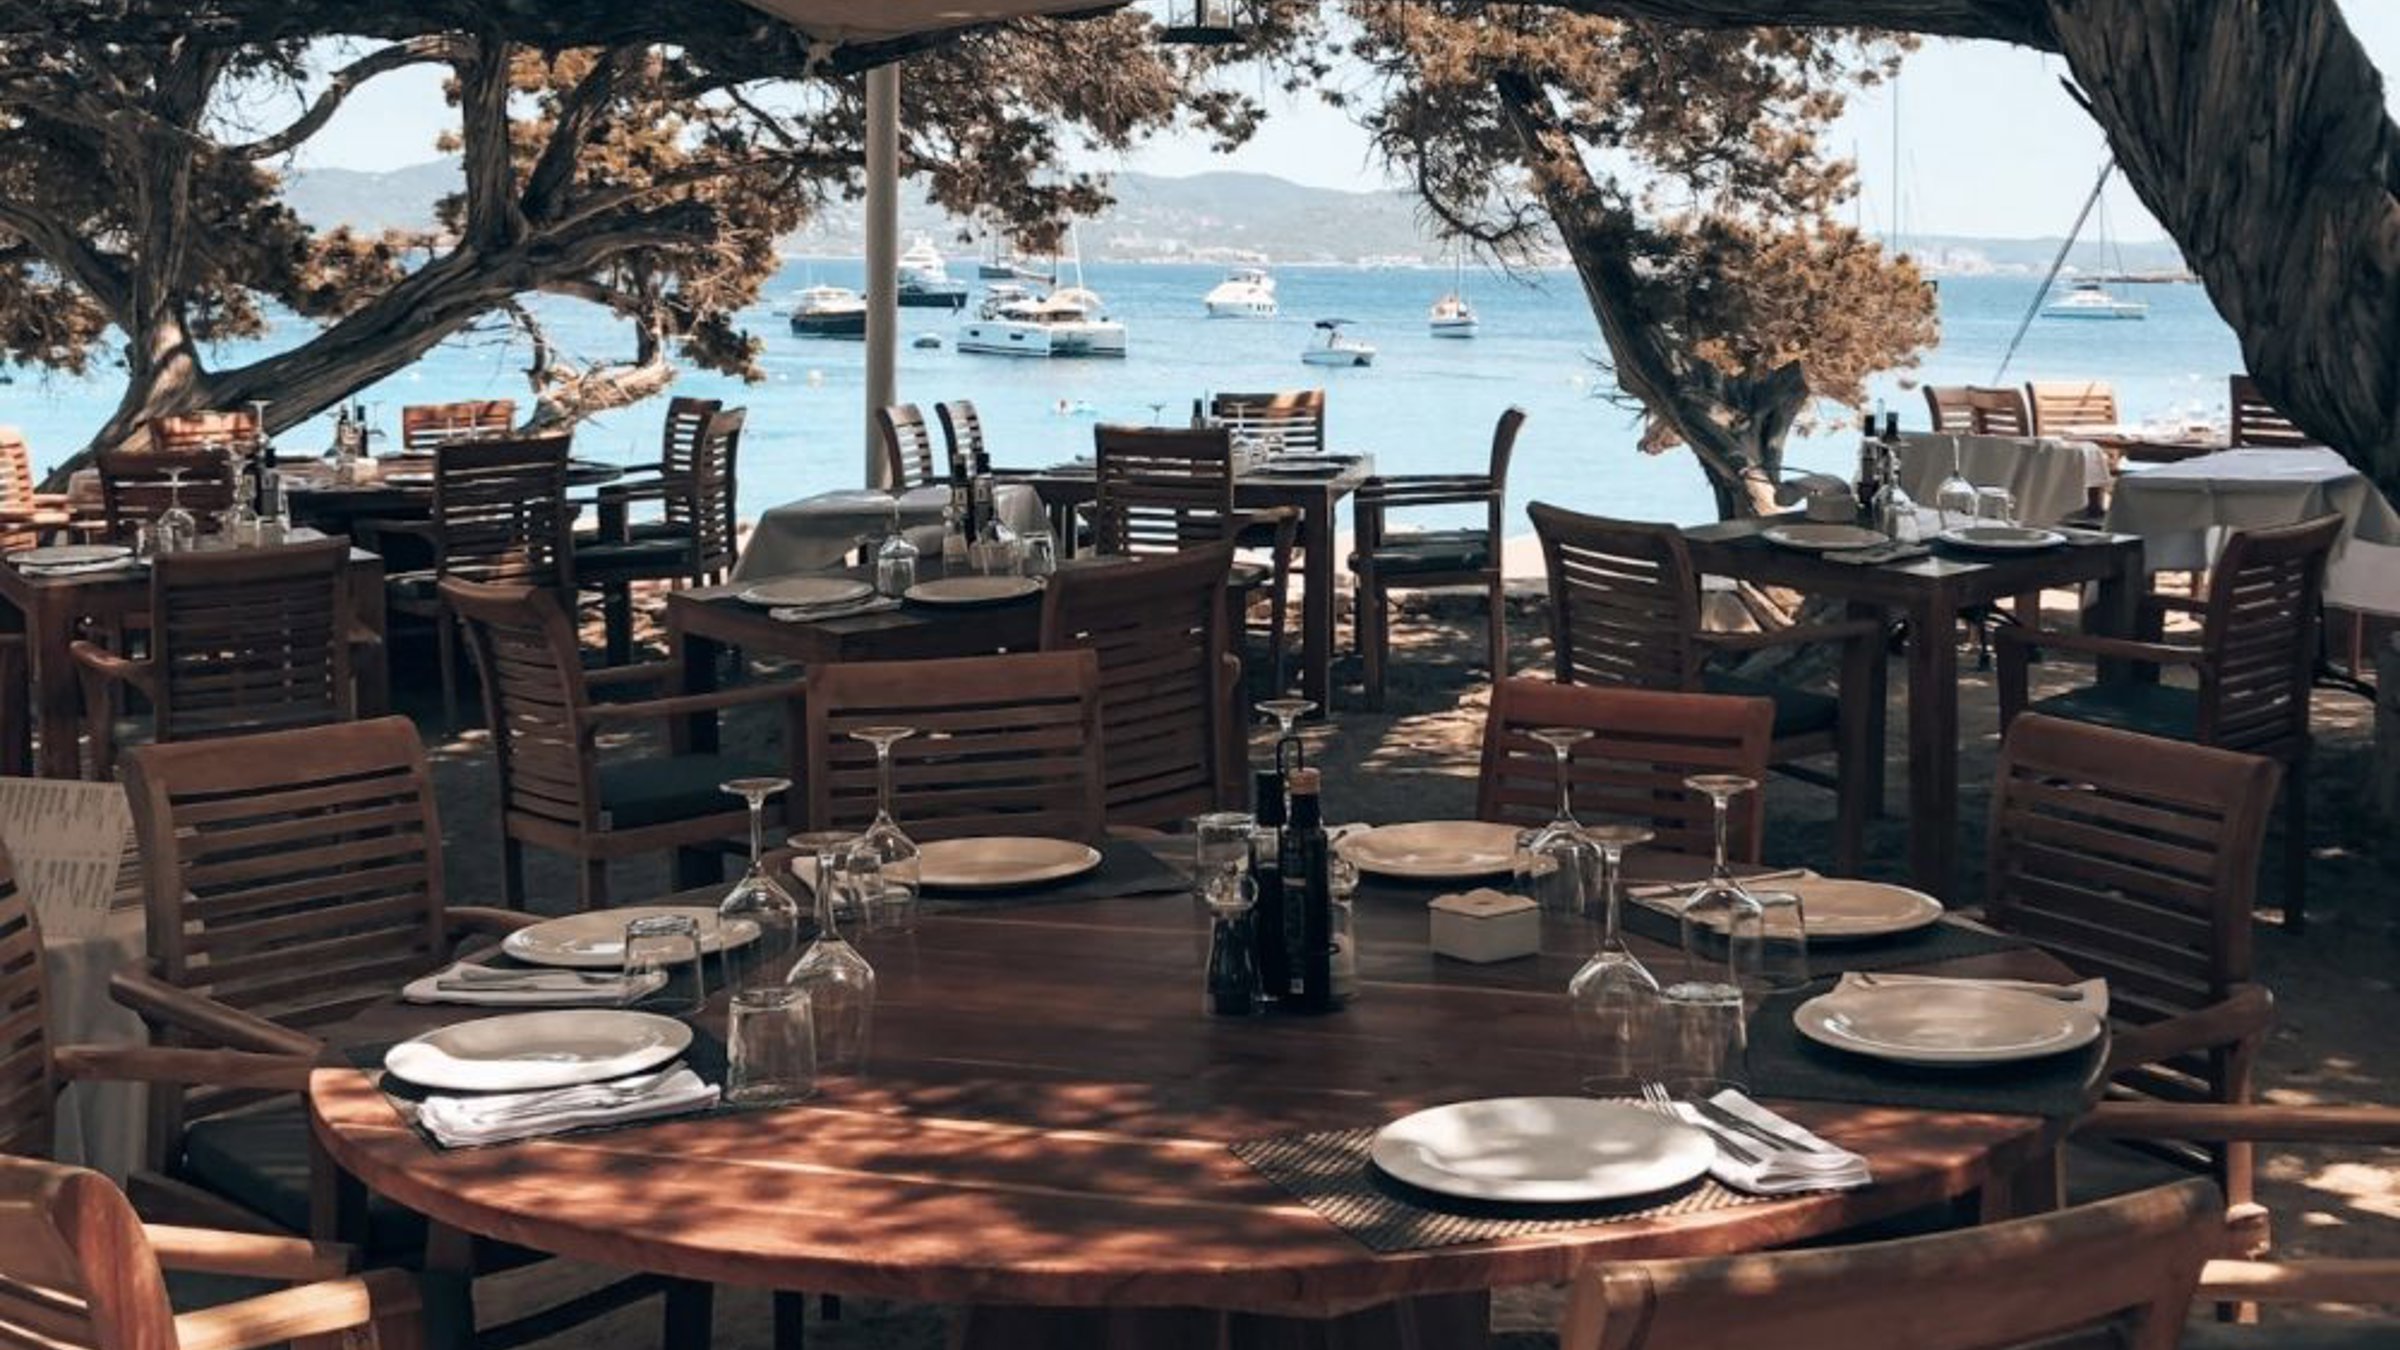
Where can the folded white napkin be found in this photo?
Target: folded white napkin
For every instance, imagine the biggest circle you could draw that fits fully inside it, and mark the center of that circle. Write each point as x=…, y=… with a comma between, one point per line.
x=2090, y=994
x=462, y=1122
x=480, y=986
x=841, y=609
x=1801, y=1162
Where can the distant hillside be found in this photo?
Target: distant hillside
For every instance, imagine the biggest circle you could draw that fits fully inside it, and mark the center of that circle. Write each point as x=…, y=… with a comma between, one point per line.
x=400, y=199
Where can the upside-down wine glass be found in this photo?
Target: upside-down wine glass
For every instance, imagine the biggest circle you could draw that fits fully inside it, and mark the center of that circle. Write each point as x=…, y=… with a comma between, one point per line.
x=839, y=982
x=1287, y=713
x=177, y=529
x=1559, y=855
x=1954, y=499
x=1614, y=997
x=893, y=900
x=1720, y=922
x=757, y=899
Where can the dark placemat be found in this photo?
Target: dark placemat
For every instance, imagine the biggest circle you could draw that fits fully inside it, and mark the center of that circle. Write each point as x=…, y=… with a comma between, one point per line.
x=1943, y=941
x=1329, y=1171
x=705, y=1057
x=1126, y=869
x=1784, y=1063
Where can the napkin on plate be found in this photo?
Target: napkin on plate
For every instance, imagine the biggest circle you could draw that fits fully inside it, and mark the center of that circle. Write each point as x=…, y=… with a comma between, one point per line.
x=1878, y=555
x=843, y=610
x=463, y=1122
x=1805, y=1163
x=483, y=986
x=2090, y=994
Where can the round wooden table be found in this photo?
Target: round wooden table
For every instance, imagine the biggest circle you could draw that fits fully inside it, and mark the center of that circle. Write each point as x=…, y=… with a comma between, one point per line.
x=1043, y=1132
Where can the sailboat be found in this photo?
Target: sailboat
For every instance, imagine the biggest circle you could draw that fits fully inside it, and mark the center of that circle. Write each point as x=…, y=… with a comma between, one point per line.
x=1451, y=316
x=1070, y=321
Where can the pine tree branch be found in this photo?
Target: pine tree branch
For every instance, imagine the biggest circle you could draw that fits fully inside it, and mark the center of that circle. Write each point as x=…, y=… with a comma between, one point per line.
x=431, y=49
x=494, y=221
x=65, y=248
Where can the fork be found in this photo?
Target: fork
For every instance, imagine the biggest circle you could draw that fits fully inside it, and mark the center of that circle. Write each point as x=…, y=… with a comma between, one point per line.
x=617, y=1093
x=1661, y=1102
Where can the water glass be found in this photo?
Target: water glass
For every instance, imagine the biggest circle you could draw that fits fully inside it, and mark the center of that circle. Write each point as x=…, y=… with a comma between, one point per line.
x=1781, y=963
x=667, y=944
x=1995, y=506
x=895, y=565
x=1706, y=1039
x=770, y=1047
x=1041, y=553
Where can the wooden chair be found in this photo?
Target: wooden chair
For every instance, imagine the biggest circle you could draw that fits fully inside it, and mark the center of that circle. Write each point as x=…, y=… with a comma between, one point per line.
x=694, y=543
x=240, y=641
x=1952, y=413
x=1164, y=489
x=425, y=427
x=2128, y=1266
x=2254, y=661
x=2136, y=859
x=680, y=440
x=2069, y=407
x=1644, y=743
x=2256, y=421
x=27, y=515
x=2000, y=412
x=291, y=879
x=907, y=447
x=135, y=485
x=1003, y=745
x=1625, y=610
x=556, y=790
x=202, y=430
x=499, y=515
x=1170, y=685
x=1294, y=417
x=962, y=439
x=1425, y=559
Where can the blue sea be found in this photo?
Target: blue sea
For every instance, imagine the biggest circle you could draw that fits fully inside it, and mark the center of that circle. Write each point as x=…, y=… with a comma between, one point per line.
x=1427, y=404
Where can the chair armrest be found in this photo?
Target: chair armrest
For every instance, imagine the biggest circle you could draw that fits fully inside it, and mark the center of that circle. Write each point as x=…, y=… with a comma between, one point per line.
x=1845, y=630
x=485, y=919
x=211, y=1251
x=107, y=665
x=163, y=1005
x=2357, y=1280
x=684, y=705
x=641, y=672
x=2264, y=1122
x=422, y=529
x=2244, y=1012
x=1394, y=493
x=182, y=1064
x=2093, y=644
x=310, y=1310
x=2181, y=604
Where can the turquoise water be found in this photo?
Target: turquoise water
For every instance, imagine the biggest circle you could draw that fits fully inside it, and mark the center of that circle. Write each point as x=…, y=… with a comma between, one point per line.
x=1427, y=404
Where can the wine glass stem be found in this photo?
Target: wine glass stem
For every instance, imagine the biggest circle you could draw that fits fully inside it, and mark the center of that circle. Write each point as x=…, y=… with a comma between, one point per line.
x=1723, y=815
x=883, y=779
x=827, y=860
x=1565, y=811
x=758, y=814
x=1611, y=891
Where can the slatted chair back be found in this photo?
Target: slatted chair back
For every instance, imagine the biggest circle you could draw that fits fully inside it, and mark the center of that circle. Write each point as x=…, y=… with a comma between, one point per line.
x=251, y=640
x=1644, y=743
x=2255, y=420
x=1952, y=413
x=708, y=509
x=1294, y=417
x=1169, y=686
x=1624, y=601
x=76, y=1267
x=527, y=656
x=1004, y=745
x=426, y=427
x=16, y=470
x=1162, y=489
x=2259, y=636
x=28, y=1086
x=907, y=446
x=293, y=875
x=2123, y=1270
x=201, y=430
x=500, y=511
x=679, y=439
x=2064, y=407
x=2000, y=412
x=962, y=438
x=136, y=486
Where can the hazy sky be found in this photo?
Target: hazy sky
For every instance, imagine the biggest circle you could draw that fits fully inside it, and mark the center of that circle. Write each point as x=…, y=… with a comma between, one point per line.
x=1989, y=144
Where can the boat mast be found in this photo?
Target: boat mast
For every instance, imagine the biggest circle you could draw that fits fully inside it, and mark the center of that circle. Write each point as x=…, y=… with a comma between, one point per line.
x=2034, y=309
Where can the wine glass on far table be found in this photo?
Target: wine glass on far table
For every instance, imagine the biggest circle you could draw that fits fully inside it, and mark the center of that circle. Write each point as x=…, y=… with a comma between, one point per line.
x=1287, y=713
x=1954, y=498
x=758, y=899
x=1614, y=997
x=892, y=901
x=178, y=530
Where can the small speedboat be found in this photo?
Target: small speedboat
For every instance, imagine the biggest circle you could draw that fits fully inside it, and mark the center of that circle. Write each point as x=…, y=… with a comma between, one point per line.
x=829, y=311
x=2091, y=300
x=1338, y=349
x=1245, y=293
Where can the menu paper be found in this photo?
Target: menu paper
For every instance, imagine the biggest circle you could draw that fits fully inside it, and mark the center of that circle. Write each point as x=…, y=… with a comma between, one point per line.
x=72, y=846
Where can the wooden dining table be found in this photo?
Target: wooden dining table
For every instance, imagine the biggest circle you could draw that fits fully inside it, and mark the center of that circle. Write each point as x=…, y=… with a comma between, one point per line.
x=1042, y=1134
x=1931, y=592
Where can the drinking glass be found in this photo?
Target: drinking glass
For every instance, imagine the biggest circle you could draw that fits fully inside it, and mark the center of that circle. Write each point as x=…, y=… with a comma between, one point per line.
x=1558, y=857
x=995, y=551
x=1954, y=499
x=758, y=899
x=1615, y=999
x=892, y=903
x=830, y=885
x=770, y=1046
x=1041, y=553
x=177, y=530
x=839, y=985
x=1220, y=851
x=1705, y=1039
x=274, y=509
x=1782, y=942
x=1995, y=506
x=1719, y=922
x=666, y=944
x=896, y=559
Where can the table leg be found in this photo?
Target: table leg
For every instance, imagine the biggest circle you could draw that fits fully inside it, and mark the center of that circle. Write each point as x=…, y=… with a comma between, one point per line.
x=51, y=667
x=1933, y=745
x=1316, y=605
x=697, y=657
x=2116, y=611
x=1442, y=1322
x=371, y=661
x=1877, y=693
x=449, y=1283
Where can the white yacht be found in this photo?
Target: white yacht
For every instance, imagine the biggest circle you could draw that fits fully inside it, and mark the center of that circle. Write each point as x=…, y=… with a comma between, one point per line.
x=829, y=311
x=1338, y=349
x=1452, y=317
x=2091, y=300
x=1245, y=293
x=924, y=279
x=1013, y=321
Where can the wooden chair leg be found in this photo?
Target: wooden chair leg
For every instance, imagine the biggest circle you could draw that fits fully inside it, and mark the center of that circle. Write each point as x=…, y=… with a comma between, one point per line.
x=1374, y=635
x=690, y=1313
x=446, y=651
x=616, y=607
x=2295, y=846
x=791, y=1320
x=591, y=883
x=1498, y=595
x=512, y=872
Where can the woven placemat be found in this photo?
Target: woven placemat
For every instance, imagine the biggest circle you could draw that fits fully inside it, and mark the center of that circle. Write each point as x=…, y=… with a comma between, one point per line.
x=1942, y=941
x=1784, y=1063
x=1330, y=1172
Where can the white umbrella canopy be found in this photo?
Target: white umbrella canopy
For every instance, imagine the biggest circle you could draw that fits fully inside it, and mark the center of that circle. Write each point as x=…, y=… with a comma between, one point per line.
x=879, y=20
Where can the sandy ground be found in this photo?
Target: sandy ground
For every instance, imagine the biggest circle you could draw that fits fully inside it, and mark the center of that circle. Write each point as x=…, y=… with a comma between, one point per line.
x=1416, y=760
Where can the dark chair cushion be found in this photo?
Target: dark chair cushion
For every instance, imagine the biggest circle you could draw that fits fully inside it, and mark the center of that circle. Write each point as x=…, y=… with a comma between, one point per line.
x=260, y=1159
x=1798, y=712
x=668, y=788
x=632, y=555
x=2152, y=709
x=1431, y=551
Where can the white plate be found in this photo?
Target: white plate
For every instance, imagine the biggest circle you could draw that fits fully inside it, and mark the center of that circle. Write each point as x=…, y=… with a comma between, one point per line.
x=1935, y=1024
x=524, y=1052
x=2001, y=538
x=406, y=479
x=807, y=591
x=1001, y=861
x=1837, y=908
x=1817, y=538
x=1302, y=464
x=69, y=555
x=595, y=939
x=1434, y=849
x=1542, y=1150
x=972, y=590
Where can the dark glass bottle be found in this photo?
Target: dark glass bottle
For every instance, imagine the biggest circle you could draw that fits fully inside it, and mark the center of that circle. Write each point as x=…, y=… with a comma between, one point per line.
x=1308, y=895
x=1266, y=870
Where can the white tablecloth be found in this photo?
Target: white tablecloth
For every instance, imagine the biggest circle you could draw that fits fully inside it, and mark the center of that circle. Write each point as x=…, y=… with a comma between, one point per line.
x=2183, y=510
x=100, y=1125
x=2051, y=479
x=821, y=531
